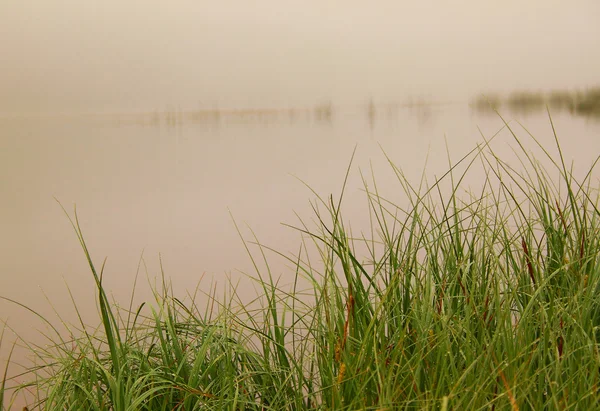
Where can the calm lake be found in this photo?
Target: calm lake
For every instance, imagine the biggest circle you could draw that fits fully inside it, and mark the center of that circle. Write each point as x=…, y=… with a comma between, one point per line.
x=171, y=186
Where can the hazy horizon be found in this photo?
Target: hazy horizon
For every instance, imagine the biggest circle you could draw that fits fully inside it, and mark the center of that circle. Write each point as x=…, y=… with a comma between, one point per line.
x=71, y=56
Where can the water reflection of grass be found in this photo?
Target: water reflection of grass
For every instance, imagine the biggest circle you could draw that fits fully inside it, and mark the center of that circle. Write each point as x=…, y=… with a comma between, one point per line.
x=477, y=302
x=322, y=113
x=170, y=117
x=584, y=103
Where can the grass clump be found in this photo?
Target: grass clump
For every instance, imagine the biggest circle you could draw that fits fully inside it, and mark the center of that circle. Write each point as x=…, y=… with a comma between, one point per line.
x=579, y=102
x=487, y=301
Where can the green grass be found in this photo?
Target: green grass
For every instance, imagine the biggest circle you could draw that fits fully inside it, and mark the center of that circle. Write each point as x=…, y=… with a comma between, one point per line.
x=460, y=301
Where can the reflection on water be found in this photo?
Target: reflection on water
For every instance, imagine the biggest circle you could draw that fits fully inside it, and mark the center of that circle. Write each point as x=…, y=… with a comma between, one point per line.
x=320, y=114
x=421, y=109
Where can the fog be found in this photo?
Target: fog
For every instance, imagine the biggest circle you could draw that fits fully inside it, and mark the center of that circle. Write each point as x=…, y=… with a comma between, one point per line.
x=114, y=55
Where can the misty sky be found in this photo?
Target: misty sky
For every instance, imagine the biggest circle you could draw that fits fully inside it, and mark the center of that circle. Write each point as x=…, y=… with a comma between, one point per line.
x=86, y=55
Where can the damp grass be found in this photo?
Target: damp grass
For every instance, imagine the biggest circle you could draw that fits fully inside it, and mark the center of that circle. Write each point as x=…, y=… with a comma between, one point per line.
x=455, y=300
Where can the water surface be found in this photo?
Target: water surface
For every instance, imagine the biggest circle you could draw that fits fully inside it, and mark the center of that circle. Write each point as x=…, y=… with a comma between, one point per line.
x=170, y=185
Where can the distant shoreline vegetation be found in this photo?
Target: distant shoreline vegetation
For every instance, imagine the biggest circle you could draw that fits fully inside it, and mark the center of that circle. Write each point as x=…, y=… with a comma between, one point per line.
x=579, y=102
